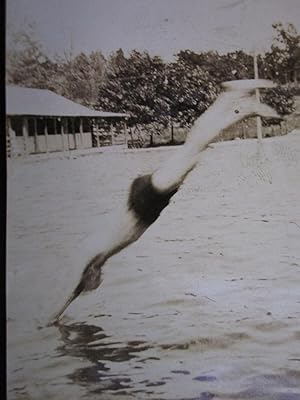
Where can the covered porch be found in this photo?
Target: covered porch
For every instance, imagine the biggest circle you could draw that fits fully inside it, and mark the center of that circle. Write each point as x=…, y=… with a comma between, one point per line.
x=33, y=135
x=39, y=121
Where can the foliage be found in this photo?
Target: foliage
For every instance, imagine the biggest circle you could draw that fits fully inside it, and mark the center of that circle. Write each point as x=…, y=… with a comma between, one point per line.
x=235, y=65
x=188, y=90
x=153, y=92
x=282, y=63
x=26, y=61
x=77, y=78
x=280, y=98
x=134, y=85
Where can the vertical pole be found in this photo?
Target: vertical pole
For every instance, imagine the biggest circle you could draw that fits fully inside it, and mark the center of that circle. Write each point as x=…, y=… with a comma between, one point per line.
x=131, y=135
x=258, y=118
x=62, y=134
x=172, y=132
x=9, y=139
x=55, y=129
x=93, y=130
x=111, y=134
x=36, y=147
x=125, y=133
x=97, y=132
x=151, y=139
x=67, y=132
x=283, y=128
x=25, y=135
x=74, y=133
x=46, y=134
x=81, y=132
x=243, y=130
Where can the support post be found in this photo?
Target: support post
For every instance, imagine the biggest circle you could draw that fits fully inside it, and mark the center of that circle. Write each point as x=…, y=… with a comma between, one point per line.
x=10, y=139
x=62, y=134
x=55, y=127
x=67, y=133
x=258, y=118
x=172, y=132
x=74, y=133
x=97, y=132
x=151, y=139
x=46, y=134
x=36, y=146
x=243, y=129
x=81, y=132
x=25, y=136
x=112, y=134
x=132, y=142
x=125, y=133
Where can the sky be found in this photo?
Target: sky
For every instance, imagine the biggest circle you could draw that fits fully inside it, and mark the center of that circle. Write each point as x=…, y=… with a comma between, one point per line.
x=162, y=27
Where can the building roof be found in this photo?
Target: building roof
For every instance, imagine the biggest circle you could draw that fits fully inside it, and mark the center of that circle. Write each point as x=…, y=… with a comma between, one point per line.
x=40, y=102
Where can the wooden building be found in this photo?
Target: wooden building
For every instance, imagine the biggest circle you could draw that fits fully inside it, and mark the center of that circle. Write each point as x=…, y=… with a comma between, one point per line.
x=40, y=121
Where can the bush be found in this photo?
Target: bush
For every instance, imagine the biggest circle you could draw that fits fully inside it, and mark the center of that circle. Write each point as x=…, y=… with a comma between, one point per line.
x=280, y=98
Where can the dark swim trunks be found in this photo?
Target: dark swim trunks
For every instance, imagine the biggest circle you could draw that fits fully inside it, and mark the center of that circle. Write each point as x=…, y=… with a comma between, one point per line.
x=146, y=201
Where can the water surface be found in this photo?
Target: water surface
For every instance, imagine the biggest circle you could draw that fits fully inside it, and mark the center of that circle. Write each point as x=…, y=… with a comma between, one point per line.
x=205, y=305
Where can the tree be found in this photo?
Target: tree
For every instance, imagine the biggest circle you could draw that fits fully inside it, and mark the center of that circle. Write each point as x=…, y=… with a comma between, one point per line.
x=76, y=78
x=235, y=65
x=239, y=65
x=281, y=99
x=26, y=61
x=133, y=85
x=154, y=92
x=188, y=91
x=79, y=77
x=282, y=63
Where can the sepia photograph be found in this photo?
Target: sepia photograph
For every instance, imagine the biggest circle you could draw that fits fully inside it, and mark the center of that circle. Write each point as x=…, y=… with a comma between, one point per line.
x=153, y=199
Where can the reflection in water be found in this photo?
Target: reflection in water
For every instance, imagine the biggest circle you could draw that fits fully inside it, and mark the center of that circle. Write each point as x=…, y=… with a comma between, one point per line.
x=90, y=343
x=106, y=375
